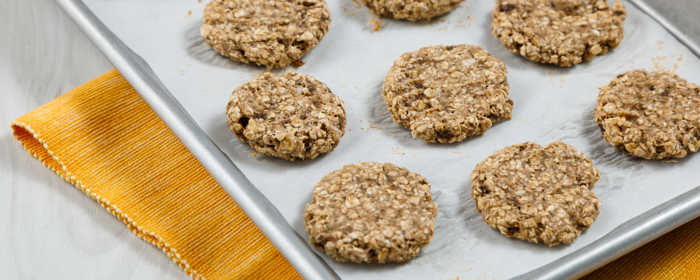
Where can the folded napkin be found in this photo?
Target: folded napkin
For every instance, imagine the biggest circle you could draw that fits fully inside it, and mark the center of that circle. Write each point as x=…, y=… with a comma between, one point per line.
x=104, y=139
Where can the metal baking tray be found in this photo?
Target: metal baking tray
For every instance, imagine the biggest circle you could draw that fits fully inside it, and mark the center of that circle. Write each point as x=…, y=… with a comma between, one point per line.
x=625, y=238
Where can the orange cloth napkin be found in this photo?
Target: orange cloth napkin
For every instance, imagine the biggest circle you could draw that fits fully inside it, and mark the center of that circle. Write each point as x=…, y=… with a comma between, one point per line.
x=104, y=139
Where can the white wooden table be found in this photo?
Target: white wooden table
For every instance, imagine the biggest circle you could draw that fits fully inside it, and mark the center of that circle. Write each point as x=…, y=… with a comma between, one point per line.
x=48, y=228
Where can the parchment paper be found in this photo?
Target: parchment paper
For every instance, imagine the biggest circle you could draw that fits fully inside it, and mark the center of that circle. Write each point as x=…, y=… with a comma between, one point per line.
x=551, y=103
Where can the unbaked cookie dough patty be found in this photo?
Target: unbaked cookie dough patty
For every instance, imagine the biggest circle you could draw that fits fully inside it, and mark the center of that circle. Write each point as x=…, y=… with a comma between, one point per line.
x=447, y=93
x=265, y=32
x=537, y=193
x=412, y=10
x=653, y=115
x=371, y=212
x=291, y=116
x=561, y=32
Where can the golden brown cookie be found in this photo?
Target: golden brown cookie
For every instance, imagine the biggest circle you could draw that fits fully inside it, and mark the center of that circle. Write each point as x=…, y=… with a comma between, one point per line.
x=412, y=10
x=265, y=32
x=447, y=93
x=537, y=193
x=371, y=212
x=653, y=115
x=561, y=32
x=291, y=116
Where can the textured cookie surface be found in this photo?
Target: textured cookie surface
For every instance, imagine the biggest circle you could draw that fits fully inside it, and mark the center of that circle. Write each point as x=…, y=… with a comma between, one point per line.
x=653, y=115
x=537, y=193
x=265, y=32
x=412, y=10
x=371, y=212
x=447, y=93
x=561, y=32
x=291, y=116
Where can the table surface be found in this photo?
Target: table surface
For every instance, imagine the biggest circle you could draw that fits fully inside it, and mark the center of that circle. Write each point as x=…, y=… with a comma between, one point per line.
x=50, y=229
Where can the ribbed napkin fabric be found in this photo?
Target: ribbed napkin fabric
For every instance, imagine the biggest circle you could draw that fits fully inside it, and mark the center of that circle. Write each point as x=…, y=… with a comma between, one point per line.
x=105, y=140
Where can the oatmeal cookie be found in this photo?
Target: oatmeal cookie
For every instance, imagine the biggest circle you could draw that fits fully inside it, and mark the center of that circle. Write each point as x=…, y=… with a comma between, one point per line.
x=537, y=193
x=561, y=32
x=653, y=115
x=447, y=93
x=412, y=10
x=291, y=116
x=265, y=32
x=371, y=212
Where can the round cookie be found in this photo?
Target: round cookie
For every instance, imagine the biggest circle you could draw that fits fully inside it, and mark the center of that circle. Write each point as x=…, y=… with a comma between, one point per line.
x=291, y=116
x=371, y=212
x=653, y=115
x=537, y=193
x=561, y=32
x=264, y=32
x=412, y=10
x=447, y=93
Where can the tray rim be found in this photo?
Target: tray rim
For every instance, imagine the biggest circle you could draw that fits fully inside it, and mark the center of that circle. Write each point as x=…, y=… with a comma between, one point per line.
x=623, y=239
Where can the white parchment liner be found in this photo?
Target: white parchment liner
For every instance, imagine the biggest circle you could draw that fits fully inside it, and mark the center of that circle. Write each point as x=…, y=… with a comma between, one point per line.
x=551, y=103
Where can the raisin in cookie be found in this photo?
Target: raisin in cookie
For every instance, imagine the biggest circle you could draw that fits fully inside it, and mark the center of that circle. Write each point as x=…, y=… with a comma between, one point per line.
x=537, y=193
x=265, y=32
x=561, y=32
x=371, y=212
x=447, y=93
x=653, y=115
x=291, y=116
x=412, y=10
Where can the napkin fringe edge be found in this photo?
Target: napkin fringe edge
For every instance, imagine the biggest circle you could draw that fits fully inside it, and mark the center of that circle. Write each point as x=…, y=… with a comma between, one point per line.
x=25, y=134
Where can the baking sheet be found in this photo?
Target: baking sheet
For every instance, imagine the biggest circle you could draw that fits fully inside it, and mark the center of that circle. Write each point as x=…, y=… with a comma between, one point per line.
x=551, y=103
